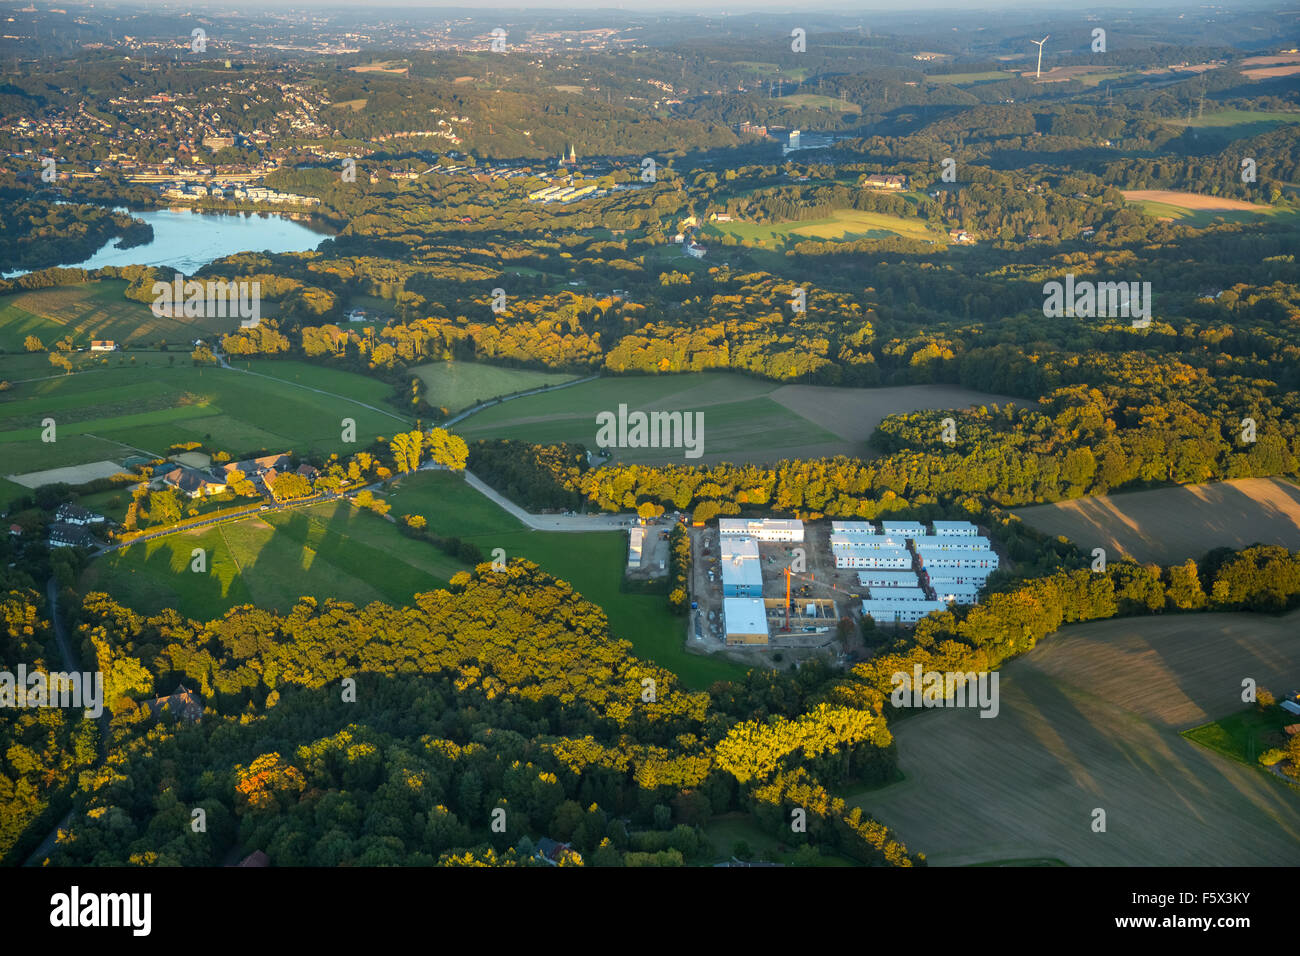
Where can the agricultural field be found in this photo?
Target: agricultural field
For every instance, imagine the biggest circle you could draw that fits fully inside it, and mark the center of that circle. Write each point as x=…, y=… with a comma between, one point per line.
x=459, y=385
x=745, y=419
x=144, y=403
x=842, y=225
x=592, y=562
x=1193, y=209
x=1092, y=719
x=1170, y=525
x=93, y=310
x=961, y=79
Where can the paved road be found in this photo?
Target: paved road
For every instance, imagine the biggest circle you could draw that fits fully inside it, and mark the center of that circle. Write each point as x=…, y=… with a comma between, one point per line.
x=548, y=522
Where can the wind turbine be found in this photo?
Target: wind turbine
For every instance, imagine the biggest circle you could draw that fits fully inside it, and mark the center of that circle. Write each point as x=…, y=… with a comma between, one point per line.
x=1039, y=72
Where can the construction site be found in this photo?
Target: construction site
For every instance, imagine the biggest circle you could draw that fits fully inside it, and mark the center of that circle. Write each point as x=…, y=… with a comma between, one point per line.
x=768, y=584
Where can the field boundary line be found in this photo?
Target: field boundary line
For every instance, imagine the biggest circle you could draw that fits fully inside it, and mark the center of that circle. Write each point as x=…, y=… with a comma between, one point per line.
x=320, y=391
x=461, y=416
x=231, y=551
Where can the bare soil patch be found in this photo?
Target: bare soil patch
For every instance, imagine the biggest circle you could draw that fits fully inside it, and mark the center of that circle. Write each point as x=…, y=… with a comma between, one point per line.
x=1170, y=525
x=1091, y=719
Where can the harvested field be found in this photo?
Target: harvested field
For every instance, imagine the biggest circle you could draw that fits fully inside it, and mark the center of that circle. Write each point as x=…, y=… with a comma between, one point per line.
x=1092, y=719
x=854, y=413
x=1170, y=525
x=72, y=475
x=1170, y=197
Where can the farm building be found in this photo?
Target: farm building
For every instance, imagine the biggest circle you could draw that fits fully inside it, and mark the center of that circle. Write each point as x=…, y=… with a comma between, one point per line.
x=898, y=559
x=75, y=514
x=635, y=542
x=940, y=542
x=878, y=542
x=745, y=620
x=192, y=482
x=69, y=536
x=903, y=529
x=900, y=612
x=764, y=529
x=944, y=529
x=104, y=345
x=853, y=529
x=876, y=578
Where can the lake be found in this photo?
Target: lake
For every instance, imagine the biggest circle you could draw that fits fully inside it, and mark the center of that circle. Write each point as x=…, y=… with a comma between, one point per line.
x=186, y=240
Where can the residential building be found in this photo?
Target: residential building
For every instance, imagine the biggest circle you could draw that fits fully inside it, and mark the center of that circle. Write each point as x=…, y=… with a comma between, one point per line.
x=192, y=482
x=852, y=528
x=862, y=557
x=901, y=595
x=69, y=536
x=903, y=529
x=884, y=611
x=941, y=542
x=959, y=528
x=969, y=559
x=75, y=514
x=881, y=578
x=862, y=542
x=183, y=704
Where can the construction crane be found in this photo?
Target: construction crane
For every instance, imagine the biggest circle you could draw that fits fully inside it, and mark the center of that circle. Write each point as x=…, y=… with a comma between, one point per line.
x=812, y=579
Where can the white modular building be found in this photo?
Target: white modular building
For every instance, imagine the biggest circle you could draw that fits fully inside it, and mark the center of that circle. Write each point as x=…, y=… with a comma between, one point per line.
x=741, y=577
x=986, y=561
x=854, y=529
x=900, y=612
x=764, y=529
x=739, y=548
x=903, y=529
x=842, y=542
x=745, y=620
x=947, y=529
x=942, y=578
x=879, y=578
x=904, y=595
x=941, y=542
x=959, y=594
x=636, y=541
x=892, y=558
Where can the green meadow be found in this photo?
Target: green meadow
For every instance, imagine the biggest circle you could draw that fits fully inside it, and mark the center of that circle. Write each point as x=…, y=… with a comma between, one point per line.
x=148, y=401
x=842, y=225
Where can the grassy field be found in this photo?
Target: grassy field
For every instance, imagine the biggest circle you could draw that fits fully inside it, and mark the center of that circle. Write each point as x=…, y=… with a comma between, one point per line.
x=459, y=385
x=740, y=421
x=1092, y=719
x=109, y=413
x=745, y=419
x=334, y=550
x=325, y=550
x=1194, y=209
x=1170, y=525
x=1245, y=735
x=94, y=310
x=592, y=562
x=816, y=101
x=842, y=225
x=1241, y=118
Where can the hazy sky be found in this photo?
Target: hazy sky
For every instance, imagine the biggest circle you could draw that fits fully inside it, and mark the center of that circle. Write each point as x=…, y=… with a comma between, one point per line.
x=715, y=7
